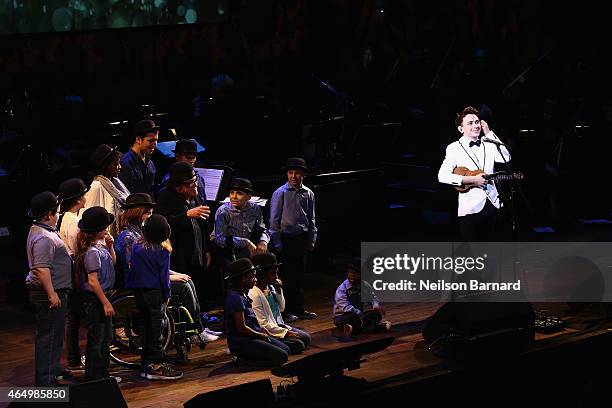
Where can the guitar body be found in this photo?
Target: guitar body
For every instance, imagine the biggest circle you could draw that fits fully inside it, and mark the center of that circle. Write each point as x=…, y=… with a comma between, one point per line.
x=464, y=171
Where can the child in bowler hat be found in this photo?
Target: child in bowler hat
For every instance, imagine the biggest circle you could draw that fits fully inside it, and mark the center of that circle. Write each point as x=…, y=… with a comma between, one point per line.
x=96, y=262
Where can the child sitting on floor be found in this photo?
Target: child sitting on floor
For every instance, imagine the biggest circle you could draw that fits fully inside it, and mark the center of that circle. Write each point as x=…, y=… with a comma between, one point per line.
x=349, y=312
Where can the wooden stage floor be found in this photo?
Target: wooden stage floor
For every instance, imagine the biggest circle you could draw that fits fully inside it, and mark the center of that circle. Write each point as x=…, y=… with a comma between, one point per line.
x=212, y=369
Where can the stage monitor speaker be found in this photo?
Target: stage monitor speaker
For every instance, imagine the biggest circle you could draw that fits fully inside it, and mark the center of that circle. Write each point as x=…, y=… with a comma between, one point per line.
x=103, y=393
x=321, y=376
x=457, y=324
x=257, y=393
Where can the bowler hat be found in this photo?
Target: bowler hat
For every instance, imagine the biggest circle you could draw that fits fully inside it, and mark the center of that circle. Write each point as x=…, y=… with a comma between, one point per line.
x=156, y=229
x=42, y=203
x=354, y=264
x=72, y=188
x=296, y=163
x=240, y=267
x=138, y=200
x=242, y=184
x=265, y=261
x=95, y=219
x=181, y=172
x=99, y=158
x=186, y=146
x=142, y=127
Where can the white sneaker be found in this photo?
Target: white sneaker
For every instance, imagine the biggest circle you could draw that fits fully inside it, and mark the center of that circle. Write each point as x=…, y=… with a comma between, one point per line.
x=207, y=337
x=117, y=379
x=212, y=332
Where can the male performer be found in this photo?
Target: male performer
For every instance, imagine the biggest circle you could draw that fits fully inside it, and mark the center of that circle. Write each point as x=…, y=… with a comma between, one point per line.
x=137, y=169
x=478, y=206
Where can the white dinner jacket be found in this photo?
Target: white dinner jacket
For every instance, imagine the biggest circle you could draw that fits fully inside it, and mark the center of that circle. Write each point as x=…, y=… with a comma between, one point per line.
x=458, y=154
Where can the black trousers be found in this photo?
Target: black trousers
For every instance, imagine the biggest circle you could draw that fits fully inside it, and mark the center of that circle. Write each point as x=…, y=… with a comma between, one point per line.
x=99, y=338
x=151, y=304
x=293, y=257
x=74, y=317
x=479, y=227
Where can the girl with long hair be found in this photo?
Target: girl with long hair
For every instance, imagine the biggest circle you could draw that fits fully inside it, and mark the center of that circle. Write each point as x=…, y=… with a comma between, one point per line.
x=96, y=263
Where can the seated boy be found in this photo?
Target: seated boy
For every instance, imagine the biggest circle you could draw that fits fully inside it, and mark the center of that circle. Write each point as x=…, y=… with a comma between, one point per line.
x=240, y=223
x=349, y=313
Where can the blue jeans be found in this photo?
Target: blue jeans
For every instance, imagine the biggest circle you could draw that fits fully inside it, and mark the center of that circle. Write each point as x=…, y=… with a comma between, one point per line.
x=99, y=337
x=272, y=352
x=49, y=336
x=367, y=324
x=186, y=291
x=297, y=345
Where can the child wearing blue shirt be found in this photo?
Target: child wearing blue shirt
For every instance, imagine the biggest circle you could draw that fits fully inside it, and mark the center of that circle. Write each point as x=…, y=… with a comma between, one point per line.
x=352, y=298
x=96, y=261
x=149, y=278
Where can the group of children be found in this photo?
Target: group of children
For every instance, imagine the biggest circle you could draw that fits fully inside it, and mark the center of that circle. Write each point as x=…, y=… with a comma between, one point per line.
x=75, y=262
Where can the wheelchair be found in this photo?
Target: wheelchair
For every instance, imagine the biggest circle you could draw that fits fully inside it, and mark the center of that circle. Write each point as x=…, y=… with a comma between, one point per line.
x=178, y=327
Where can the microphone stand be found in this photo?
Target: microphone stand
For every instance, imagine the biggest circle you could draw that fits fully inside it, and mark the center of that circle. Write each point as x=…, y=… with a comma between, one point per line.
x=515, y=228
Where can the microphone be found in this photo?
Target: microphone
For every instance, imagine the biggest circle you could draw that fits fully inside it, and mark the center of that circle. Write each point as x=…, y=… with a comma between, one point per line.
x=494, y=141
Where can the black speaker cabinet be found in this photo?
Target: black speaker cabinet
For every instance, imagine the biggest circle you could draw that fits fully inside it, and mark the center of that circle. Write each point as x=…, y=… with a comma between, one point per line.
x=258, y=394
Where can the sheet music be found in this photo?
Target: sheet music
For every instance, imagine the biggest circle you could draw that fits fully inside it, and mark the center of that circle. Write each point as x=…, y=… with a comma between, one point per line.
x=212, y=180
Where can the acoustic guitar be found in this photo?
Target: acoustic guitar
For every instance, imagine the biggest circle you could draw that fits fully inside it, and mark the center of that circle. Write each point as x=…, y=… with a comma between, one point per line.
x=498, y=176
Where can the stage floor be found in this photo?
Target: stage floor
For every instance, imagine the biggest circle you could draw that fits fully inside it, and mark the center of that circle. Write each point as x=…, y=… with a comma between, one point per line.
x=212, y=368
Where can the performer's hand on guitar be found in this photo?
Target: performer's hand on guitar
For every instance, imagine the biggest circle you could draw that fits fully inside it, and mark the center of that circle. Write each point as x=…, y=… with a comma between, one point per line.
x=478, y=181
x=485, y=127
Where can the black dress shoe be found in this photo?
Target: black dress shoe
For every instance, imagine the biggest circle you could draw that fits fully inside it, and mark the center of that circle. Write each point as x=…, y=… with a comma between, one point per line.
x=305, y=314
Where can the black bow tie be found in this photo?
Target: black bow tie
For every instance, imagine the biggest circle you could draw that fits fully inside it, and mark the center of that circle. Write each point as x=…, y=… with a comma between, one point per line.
x=475, y=143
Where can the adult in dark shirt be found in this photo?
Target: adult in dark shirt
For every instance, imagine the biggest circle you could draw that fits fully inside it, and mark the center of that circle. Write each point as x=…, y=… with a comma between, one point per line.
x=137, y=168
x=245, y=338
x=180, y=203
x=186, y=150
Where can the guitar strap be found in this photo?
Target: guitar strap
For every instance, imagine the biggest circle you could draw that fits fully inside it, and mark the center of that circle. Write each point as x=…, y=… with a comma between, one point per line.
x=475, y=159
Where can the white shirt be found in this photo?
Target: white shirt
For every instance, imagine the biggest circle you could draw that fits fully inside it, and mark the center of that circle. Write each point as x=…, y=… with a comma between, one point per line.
x=460, y=154
x=264, y=314
x=69, y=230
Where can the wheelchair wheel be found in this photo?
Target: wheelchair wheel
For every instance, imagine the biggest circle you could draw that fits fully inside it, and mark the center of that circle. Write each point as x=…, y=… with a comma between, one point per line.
x=127, y=345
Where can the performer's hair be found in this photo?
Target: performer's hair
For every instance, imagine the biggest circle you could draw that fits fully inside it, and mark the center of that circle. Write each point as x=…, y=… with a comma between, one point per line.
x=468, y=110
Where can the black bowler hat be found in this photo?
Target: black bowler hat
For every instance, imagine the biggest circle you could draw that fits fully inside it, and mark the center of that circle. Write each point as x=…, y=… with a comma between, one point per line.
x=242, y=184
x=72, y=188
x=156, y=229
x=138, y=200
x=240, y=267
x=265, y=261
x=42, y=203
x=142, y=127
x=181, y=172
x=186, y=146
x=99, y=158
x=296, y=163
x=354, y=264
x=95, y=219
